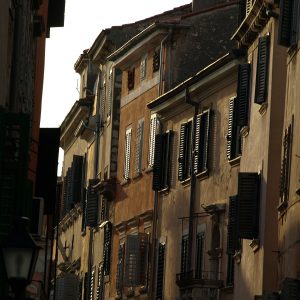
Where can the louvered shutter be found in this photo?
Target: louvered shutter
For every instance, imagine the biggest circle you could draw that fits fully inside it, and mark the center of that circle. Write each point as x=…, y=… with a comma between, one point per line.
x=130, y=82
x=231, y=133
x=156, y=60
x=290, y=289
x=102, y=103
x=65, y=195
x=243, y=94
x=294, y=23
x=127, y=153
x=100, y=286
x=184, y=254
x=182, y=152
x=262, y=70
x=157, y=166
x=232, y=225
x=107, y=247
x=204, y=141
x=199, y=254
x=132, y=261
x=230, y=270
x=166, y=161
x=285, y=22
x=69, y=203
x=92, y=205
x=197, y=154
x=84, y=210
x=248, y=205
x=77, y=178
x=154, y=129
x=143, y=258
x=86, y=287
x=139, y=148
x=160, y=271
x=110, y=93
x=120, y=269
x=242, y=10
x=143, y=68
x=92, y=283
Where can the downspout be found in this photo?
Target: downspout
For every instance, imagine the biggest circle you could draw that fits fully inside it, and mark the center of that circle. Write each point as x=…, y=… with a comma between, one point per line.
x=156, y=198
x=193, y=181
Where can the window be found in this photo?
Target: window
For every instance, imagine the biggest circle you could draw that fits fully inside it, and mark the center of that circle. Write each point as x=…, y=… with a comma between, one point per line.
x=233, y=133
x=184, y=254
x=202, y=138
x=288, y=22
x=200, y=239
x=143, y=68
x=162, y=161
x=127, y=153
x=262, y=70
x=139, y=148
x=110, y=92
x=286, y=163
x=136, y=260
x=92, y=204
x=130, y=78
x=156, y=60
x=185, y=144
x=160, y=271
x=154, y=130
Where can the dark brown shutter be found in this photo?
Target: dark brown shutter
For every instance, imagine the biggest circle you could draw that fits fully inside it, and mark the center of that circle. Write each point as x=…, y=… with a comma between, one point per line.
x=69, y=203
x=65, y=194
x=107, y=247
x=248, y=205
x=132, y=261
x=157, y=166
x=92, y=205
x=290, y=289
x=232, y=225
x=130, y=82
x=243, y=94
x=143, y=258
x=197, y=154
x=285, y=22
x=120, y=269
x=204, y=141
x=184, y=254
x=77, y=178
x=181, y=158
x=156, y=60
x=92, y=284
x=100, y=286
x=230, y=270
x=86, y=287
x=232, y=130
x=242, y=10
x=199, y=254
x=262, y=70
x=166, y=161
x=160, y=271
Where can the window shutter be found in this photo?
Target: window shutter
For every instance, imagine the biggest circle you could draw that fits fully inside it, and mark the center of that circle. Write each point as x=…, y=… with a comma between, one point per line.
x=127, y=153
x=92, y=205
x=130, y=82
x=107, y=248
x=69, y=203
x=184, y=149
x=100, y=287
x=200, y=238
x=84, y=208
x=197, y=145
x=231, y=133
x=139, y=148
x=242, y=10
x=160, y=271
x=285, y=22
x=230, y=270
x=232, y=225
x=86, y=287
x=92, y=285
x=110, y=93
x=143, y=68
x=262, y=70
x=154, y=129
x=184, y=253
x=157, y=166
x=243, y=94
x=132, y=261
x=156, y=60
x=77, y=178
x=290, y=289
x=166, y=163
x=65, y=194
x=248, y=205
x=120, y=269
x=143, y=258
x=102, y=103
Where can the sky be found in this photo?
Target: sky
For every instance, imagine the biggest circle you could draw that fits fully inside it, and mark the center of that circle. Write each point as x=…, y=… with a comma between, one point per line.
x=84, y=20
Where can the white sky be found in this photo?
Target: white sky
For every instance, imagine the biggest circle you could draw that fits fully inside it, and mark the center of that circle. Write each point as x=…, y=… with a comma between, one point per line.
x=84, y=20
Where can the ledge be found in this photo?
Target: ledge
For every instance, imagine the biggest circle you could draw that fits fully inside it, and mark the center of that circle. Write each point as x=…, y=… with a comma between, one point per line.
x=138, y=175
x=235, y=161
x=186, y=182
x=164, y=191
x=202, y=175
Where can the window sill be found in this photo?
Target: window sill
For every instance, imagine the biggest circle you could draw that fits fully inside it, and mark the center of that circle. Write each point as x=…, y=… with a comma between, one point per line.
x=149, y=169
x=263, y=108
x=164, y=191
x=235, y=161
x=186, y=182
x=125, y=182
x=255, y=245
x=202, y=175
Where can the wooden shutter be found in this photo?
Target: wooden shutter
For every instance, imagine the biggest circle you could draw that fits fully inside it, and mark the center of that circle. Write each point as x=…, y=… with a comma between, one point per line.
x=143, y=258
x=102, y=103
x=243, y=94
x=184, y=159
x=285, y=22
x=157, y=166
x=200, y=238
x=139, y=148
x=77, y=178
x=120, y=269
x=248, y=205
x=184, y=254
x=107, y=248
x=154, y=129
x=156, y=60
x=242, y=10
x=262, y=70
x=290, y=289
x=110, y=93
x=92, y=283
x=166, y=162
x=130, y=82
x=230, y=270
x=143, y=68
x=65, y=194
x=69, y=203
x=84, y=211
x=92, y=205
x=232, y=225
x=127, y=153
x=132, y=261
x=100, y=286
x=232, y=130
x=86, y=287
x=160, y=271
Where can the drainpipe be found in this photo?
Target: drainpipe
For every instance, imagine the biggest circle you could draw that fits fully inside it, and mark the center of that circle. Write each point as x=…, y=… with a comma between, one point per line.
x=193, y=181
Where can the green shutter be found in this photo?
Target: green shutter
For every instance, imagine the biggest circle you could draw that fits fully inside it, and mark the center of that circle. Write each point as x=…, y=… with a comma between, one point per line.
x=92, y=204
x=166, y=161
x=290, y=289
x=232, y=225
x=262, y=70
x=120, y=269
x=107, y=247
x=285, y=22
x=160, y=271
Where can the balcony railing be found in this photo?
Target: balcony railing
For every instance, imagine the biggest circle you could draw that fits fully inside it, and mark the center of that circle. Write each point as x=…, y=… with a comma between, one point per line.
x=205, y=279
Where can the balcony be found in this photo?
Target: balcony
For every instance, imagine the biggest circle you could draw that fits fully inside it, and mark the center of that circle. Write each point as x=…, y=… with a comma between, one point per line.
x=204, y=279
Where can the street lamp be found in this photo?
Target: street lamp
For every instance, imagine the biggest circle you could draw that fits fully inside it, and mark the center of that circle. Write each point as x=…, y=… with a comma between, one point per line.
x=20, y=253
